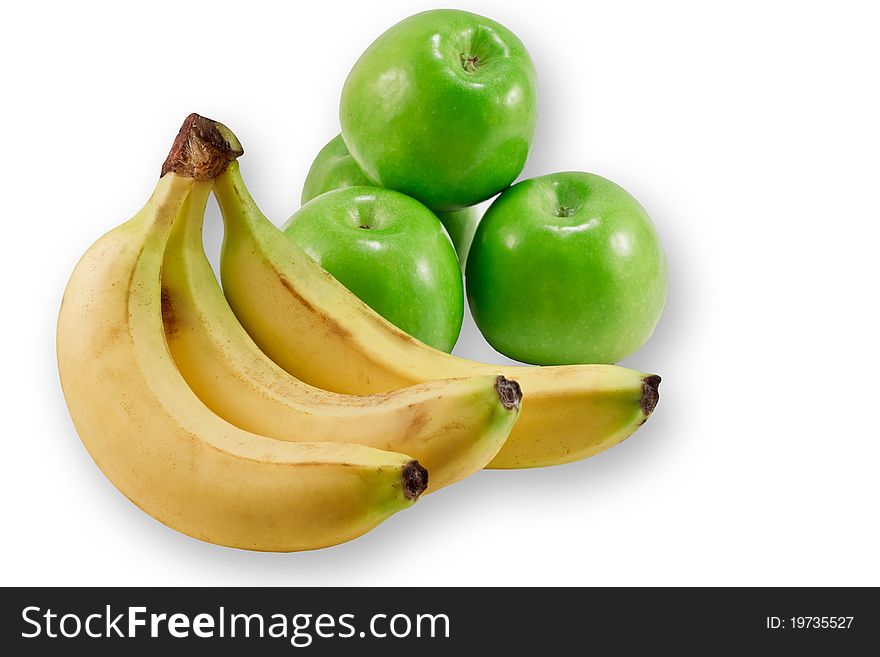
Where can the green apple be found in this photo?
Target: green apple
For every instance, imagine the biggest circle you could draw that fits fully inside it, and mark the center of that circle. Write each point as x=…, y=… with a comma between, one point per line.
x=460, y=225
x=335, y=168
x=566, y=268
x=442, y=107
x=392, y=252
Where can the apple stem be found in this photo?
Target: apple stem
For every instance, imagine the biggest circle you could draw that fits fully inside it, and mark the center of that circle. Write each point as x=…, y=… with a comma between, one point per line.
x=469, y=62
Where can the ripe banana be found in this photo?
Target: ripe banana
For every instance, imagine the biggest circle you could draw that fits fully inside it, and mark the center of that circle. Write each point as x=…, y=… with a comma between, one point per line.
x=314, y=328
x=453, y=427
x=161, y=446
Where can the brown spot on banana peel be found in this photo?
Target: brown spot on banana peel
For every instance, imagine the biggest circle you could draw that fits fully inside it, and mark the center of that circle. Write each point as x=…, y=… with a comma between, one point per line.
x=415, y=480
x=650, y=394
x=331, y=326
x=509, y=392
x=294, y=293
x=401, y=335
x=168, y=318
x=417, y=423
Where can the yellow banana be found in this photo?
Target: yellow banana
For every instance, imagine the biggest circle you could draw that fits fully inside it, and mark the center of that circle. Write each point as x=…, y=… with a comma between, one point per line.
x=161, y=446
x=453, y=427
x=314, y=328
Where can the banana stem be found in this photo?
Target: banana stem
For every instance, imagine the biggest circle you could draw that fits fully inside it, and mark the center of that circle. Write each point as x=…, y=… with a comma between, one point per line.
x=202, y=149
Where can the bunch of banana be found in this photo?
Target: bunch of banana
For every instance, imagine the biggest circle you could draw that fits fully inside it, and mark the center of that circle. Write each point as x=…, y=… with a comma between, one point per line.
x=318, y=331
x=206, y=417
x=175, y=458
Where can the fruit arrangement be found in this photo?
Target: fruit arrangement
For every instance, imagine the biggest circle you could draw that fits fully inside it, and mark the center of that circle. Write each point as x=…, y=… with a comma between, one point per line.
x=280, y=412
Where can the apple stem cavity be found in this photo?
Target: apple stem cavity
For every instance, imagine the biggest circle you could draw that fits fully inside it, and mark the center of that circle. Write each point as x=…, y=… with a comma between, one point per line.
x=469, y=62
x=563, y=211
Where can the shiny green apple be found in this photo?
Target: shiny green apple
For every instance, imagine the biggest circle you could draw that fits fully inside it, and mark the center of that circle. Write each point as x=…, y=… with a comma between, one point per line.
x=566, y=268
x=335, y=168
x=460, y=225
x=442, y=107
x=392, y=252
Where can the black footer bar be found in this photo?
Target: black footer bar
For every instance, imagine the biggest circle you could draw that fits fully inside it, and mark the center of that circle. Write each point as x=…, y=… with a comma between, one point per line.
x=278, y=621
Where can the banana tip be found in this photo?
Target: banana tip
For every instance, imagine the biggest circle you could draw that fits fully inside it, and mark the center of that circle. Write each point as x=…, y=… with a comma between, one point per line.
x=415, y=479
x=650, y=393
x=509, y=392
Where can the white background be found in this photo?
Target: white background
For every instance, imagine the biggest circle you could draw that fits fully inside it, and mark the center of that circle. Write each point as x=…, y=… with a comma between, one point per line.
x=749, y=130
